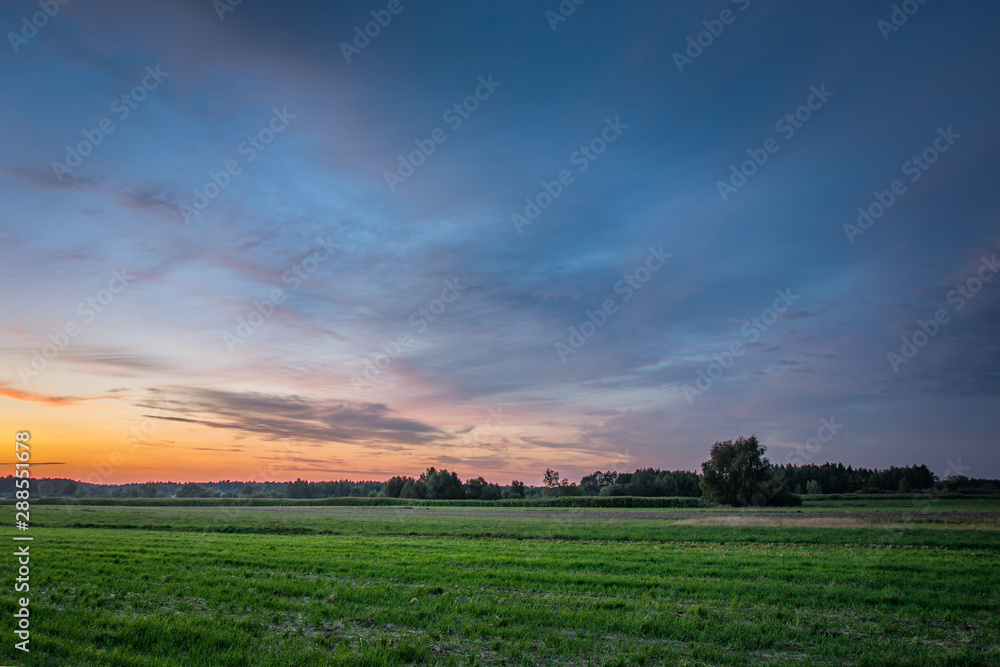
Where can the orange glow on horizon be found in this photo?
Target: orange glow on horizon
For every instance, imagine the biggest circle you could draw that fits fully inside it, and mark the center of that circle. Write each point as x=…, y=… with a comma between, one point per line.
x=112, y=443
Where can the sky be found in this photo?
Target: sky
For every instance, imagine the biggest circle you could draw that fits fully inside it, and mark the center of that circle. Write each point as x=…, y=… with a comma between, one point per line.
x=264, y=241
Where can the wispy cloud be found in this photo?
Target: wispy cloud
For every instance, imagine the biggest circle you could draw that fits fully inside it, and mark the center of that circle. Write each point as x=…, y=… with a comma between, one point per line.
x=276, y=417
x=8, y=391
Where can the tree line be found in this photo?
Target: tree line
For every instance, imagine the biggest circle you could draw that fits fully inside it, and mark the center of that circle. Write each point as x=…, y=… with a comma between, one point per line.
x=737, y=473
x=835, y=478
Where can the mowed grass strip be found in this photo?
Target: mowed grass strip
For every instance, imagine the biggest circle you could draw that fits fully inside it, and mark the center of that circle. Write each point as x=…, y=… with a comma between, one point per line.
x=916, y=529
x=445, y=590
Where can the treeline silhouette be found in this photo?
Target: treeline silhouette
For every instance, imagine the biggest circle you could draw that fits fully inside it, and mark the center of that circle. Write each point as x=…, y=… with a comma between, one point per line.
x=442, y=484
x=835, y=478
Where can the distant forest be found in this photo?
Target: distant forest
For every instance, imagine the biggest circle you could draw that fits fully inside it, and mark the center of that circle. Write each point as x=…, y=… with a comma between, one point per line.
x=436, y=484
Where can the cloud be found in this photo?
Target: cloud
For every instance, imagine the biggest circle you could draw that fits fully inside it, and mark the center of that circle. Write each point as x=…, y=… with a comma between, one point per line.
x=47, y=180
x=451, y=219
x=276, y=417
x=21, y=395
x=108, y=361
x=153, y=197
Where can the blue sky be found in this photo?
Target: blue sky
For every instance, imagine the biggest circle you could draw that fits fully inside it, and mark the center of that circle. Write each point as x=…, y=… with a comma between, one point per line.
x=354, y=261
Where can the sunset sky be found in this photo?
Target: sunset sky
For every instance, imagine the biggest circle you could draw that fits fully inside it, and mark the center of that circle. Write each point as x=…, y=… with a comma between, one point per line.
x=259, y=156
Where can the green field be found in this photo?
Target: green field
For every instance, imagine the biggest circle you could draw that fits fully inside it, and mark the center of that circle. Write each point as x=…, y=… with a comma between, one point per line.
x=286, y=585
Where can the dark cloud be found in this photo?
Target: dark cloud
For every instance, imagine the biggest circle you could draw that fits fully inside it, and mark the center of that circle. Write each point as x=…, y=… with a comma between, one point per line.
x=46, y=179
x=276, y=417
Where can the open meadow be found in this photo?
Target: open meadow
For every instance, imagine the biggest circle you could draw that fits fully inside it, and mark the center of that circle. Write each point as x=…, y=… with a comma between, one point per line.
x=309, y=585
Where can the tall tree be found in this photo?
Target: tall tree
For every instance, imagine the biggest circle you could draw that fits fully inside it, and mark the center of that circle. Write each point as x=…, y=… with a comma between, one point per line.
x=550, y=483
x=442, y=485
x=298, y=489
x=516, y=489
x=412, y=490
x=393, y=487
x=474, y=488
x=737, y=473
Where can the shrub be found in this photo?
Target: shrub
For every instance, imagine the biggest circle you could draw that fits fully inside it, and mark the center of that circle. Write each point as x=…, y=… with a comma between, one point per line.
x=785, y=498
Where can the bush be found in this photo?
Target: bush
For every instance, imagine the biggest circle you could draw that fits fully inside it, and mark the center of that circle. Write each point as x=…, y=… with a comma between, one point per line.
x=784, y=498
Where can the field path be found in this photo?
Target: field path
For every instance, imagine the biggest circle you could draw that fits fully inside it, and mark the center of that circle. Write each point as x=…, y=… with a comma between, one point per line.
x=685, y=516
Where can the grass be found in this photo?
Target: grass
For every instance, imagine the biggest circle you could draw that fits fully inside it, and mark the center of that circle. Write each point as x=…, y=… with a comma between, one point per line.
x=397, y=586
